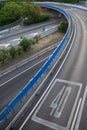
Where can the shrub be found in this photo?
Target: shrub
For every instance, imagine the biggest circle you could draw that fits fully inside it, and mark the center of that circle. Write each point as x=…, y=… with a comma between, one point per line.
x=30, y=12
x=32, y=41
x=19, y=50
x=27, y=22
x=25, y=44
x=35, y=18
x=3, y=55
x=12, y=51
x=9, y=13
x=43, y=17
x=36, y=38
x=62, y=27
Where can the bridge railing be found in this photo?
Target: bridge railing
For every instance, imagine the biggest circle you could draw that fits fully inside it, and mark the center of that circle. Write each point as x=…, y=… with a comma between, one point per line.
x=4, y=114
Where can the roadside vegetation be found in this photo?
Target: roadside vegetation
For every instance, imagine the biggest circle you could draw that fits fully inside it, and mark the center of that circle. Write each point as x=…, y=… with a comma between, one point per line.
x=13, y=11
x=30, y=13
x=9, y=13
x=64, y=1
x=62, y=27
x=67, y=1
x=33, y=14
x=11, y=52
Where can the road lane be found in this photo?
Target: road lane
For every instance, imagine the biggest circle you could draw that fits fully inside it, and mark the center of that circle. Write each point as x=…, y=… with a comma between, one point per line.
x=15, y=85
x=73, y=71
x=28, y=32
x=21, y=76
x=26, y=66
x=8, y=81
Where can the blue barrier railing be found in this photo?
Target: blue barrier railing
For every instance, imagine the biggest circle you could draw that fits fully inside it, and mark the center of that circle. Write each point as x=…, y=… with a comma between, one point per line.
x=18, y=99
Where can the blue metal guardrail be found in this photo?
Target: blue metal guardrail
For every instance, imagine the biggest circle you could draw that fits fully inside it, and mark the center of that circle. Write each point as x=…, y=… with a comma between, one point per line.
x=20, y=96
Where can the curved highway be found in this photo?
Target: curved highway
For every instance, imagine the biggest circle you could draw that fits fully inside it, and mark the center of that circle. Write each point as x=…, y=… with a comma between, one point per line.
x=63, y=105
x=12, y=81
x=12, y=37
x=15, y=80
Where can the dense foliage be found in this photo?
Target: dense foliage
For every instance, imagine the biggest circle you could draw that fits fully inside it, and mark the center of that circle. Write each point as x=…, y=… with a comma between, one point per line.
x=25, y=44
x=3, y=54
x=12, y=11
x=9, y=13
x=67, y=1
x=62, y=27
x=63, y=1
x=33, y=14
x=12, y=52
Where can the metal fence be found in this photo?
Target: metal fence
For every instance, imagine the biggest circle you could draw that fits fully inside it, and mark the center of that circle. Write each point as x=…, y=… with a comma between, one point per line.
x=4, y=114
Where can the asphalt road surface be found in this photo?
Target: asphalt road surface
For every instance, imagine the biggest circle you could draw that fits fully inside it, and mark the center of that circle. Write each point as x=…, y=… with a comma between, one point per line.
x=63, y=106
x=12, y=82
x=15, y=80
x=12, y=37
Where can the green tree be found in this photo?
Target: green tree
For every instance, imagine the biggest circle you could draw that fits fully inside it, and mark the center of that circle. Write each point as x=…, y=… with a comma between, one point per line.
x=30, y=13
x=67, y=1
x=25, y=44
x=1, y=5
x=20, y=1
x=4, y=55
x=12, y=51
x=62, y=27
x=10, y=12
x=37, y=9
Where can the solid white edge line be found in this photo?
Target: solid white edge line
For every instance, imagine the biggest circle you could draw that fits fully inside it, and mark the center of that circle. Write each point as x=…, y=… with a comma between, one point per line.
x=7, y=128
x=48, y=87
x=21, y=65
x=76, y=114
x=30, y=59
x=22, y=72
x=44, y=92
x=81, y=109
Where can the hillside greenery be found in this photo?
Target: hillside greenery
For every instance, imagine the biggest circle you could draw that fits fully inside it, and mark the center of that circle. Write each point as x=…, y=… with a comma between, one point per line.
x=63, y=1
x=67, y=1
x=12, y=11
